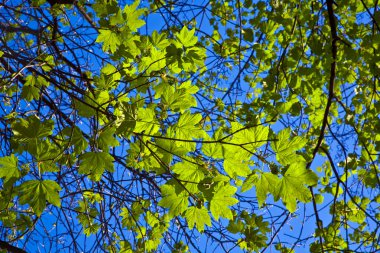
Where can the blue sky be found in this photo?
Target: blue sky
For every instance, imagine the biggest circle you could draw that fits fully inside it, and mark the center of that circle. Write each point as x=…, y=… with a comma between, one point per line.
x=303, y=219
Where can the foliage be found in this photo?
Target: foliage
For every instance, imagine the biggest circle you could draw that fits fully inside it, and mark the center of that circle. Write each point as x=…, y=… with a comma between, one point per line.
x=176, y=126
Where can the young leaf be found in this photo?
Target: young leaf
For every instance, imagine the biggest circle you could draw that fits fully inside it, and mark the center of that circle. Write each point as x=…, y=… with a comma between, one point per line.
x=176, y=203
x=177, y=98
x=168, y=148
x=236, y=168
x=126, y=120
x=36, y=193
x=222, y=199
x=31, y=128
x=8, y=167
x=30, y=92
x=197, y=216
x=133, y=15
x=191, y=173
x=160, y=40
x=75, y=138
x=285, y=149
x=250, y=138
x=110, y=40
x=265, y=183
x=146, y=121
x=213, y=150
x=95, y=163
x=292, y=186
x=187, y=37
x=186, y=129
x=106, y=139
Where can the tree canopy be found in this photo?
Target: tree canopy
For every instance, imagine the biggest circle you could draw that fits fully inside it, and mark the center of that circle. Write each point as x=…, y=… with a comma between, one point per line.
x=189, y=126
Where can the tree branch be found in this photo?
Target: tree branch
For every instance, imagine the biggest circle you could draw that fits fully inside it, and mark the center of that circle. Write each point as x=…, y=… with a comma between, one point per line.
x=334, y=50
x=10, y=248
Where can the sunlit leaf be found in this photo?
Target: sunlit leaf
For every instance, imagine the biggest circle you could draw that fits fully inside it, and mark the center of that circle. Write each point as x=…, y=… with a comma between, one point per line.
x=36, y=193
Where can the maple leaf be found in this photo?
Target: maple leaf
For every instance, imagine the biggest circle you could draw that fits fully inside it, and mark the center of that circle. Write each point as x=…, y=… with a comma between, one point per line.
x=36, y=193
x=187, y=37
x=8, y=167
x=292, y=186
x=220, y=202
x=286, y=149
x=110, y=40
x=191, y=173
x=197, y=216
x=106, y=139
x=176, y=203
x=187, y=129
x=21, y=129
x=265, y=183
x=94, y=163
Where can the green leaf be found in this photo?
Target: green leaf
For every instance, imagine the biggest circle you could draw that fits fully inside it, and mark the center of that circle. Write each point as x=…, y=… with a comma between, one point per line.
x=235, y=226
x=109, y=77
x=44, y=150
x=197, y=216
x=187, y=37
x=109, y=39
x=146, y=121
x=94, y=163
x=36, y=81
x=159, y=40
x=36, y=193
x=285, y=149
x=265, y=183
x=92, y=197
x=190, y=173
x=30, y=92
x=126, y=119
x=250, y=138
x=31, y=128
x=292, y=186
x=169, y=148
x=176, y=203
x=8, y=167
x=48, y=166
x=187, y=129
x=133, y=14
x=213, y=150
x=130, y=216
x=248, y=34
x=177, y=98
x=236, y=168
x=75, y=138
x=107, y=139
x=221, y=200
x=117, y=19
x=153, y=62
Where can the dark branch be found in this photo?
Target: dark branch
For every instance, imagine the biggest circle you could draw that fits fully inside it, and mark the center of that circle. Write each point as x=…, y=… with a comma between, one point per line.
x=10, y=248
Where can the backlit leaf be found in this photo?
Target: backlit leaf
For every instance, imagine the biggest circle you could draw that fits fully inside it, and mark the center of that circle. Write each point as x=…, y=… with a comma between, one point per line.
x=177, y=203
x=221, y=200
x=292, y=186
x=94, y=163
x=197, y=216
x=8, y=167
x=36, y=193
